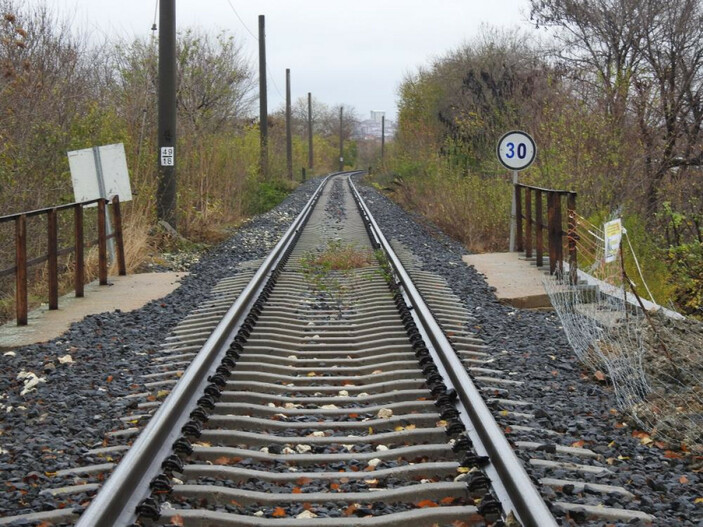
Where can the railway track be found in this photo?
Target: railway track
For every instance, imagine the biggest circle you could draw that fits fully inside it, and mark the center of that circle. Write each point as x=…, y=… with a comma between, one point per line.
x=306, y=395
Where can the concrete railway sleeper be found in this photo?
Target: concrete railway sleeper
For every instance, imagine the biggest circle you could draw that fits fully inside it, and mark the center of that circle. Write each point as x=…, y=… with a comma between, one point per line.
x=319, y=399
x=324, y=396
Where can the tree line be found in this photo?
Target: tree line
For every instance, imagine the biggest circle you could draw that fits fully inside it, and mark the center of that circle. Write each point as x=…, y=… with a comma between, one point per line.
x=63, y=90
x=612, y=91
x=60, y=91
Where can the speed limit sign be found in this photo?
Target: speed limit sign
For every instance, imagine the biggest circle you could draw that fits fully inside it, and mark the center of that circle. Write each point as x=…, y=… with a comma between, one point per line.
x=516, y=150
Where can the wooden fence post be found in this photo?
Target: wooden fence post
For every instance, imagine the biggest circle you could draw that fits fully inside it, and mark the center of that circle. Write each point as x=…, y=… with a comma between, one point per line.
x=78, y=250
x=53, y=248
x=119, y=239
x=540, y=227
x=102, y=244
x=21, y=271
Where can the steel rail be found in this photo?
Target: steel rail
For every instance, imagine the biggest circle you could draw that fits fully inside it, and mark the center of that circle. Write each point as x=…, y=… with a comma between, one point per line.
x=116, y=502
x=524, y=499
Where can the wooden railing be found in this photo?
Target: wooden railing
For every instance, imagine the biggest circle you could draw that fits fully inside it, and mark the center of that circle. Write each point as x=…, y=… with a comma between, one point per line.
x=54, y=251
x=529, y=216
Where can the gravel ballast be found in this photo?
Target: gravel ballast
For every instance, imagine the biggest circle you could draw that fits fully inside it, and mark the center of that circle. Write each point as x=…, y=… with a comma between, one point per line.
x=532, y=345
x=74, y=404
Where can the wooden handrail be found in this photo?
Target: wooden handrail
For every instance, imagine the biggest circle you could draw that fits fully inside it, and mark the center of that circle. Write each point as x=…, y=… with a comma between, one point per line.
x=53, y=250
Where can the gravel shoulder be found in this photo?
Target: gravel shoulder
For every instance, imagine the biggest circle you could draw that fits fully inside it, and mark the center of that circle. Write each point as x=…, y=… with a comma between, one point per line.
x=533, y=346
x=74, y=404
x=77, y=403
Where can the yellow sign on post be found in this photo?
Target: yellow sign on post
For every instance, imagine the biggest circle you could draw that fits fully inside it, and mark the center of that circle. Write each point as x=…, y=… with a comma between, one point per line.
x=613, y=235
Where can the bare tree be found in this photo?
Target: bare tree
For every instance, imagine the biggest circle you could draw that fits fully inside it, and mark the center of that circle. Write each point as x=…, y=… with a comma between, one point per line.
x=599, y=40
x=671, y=90
x=643, y=60
x=216, y=82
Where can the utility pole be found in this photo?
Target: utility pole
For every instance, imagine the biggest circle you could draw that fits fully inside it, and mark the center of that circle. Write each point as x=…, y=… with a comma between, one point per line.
x=310, y=156
x=341, y=138
x=289, y=137
x=263, y=100
x=166, y=189
x=383, y=136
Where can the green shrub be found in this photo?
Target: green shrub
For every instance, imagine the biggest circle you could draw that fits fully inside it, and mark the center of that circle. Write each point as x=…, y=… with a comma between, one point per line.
x=263, y=196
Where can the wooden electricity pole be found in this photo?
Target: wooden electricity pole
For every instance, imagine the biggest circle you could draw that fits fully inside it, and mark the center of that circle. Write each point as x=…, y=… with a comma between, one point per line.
x=263, y=99
x=166, y=189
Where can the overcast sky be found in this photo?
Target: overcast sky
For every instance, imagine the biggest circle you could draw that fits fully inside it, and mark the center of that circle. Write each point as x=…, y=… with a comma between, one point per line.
x=353, y=52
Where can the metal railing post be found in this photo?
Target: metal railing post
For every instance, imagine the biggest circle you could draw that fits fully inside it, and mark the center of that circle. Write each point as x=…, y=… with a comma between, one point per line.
x=551, y=211
x=119, y=239
x=558, y=231
x=518, y=219
x=571, y=236
x=528, y=222
x=21, y=269
x=102, y=243
x=52, y=249
x=78, y=249
x=539, y=230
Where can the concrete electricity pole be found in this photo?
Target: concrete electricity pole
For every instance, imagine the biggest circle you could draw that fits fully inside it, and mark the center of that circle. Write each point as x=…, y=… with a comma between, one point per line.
x=166, y=190
x=263, y=99
x=341, y=138
x=383, y=136
x=310, y=156
x=289, y=136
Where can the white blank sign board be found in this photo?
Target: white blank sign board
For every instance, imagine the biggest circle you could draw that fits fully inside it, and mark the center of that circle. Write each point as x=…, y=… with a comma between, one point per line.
x=84, y=173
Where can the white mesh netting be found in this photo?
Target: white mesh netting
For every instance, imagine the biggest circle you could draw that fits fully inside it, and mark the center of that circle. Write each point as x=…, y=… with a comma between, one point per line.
x=653, y=357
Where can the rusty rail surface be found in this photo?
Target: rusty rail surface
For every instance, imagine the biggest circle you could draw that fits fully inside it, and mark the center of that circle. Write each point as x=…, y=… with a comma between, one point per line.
x=54, y=251
x=530, y=219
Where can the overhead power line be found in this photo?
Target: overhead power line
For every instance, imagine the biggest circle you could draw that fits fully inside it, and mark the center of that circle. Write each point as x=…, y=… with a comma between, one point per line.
x=241, y=21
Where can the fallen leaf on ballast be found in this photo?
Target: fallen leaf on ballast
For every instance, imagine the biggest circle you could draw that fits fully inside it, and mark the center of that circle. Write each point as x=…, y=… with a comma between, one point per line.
x=599, y=375
x=278, y=512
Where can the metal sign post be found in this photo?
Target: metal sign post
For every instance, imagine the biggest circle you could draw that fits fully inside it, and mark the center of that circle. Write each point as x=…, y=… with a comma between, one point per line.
x=103, y=194
x=100, y=172
x=516, y=151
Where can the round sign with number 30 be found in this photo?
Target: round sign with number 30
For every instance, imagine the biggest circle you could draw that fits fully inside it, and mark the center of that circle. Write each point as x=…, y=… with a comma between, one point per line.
x=516, y=150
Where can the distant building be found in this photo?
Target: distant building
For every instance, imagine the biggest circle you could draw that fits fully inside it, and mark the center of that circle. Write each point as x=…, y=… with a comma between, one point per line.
x=377, y=116
x=372, y=129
